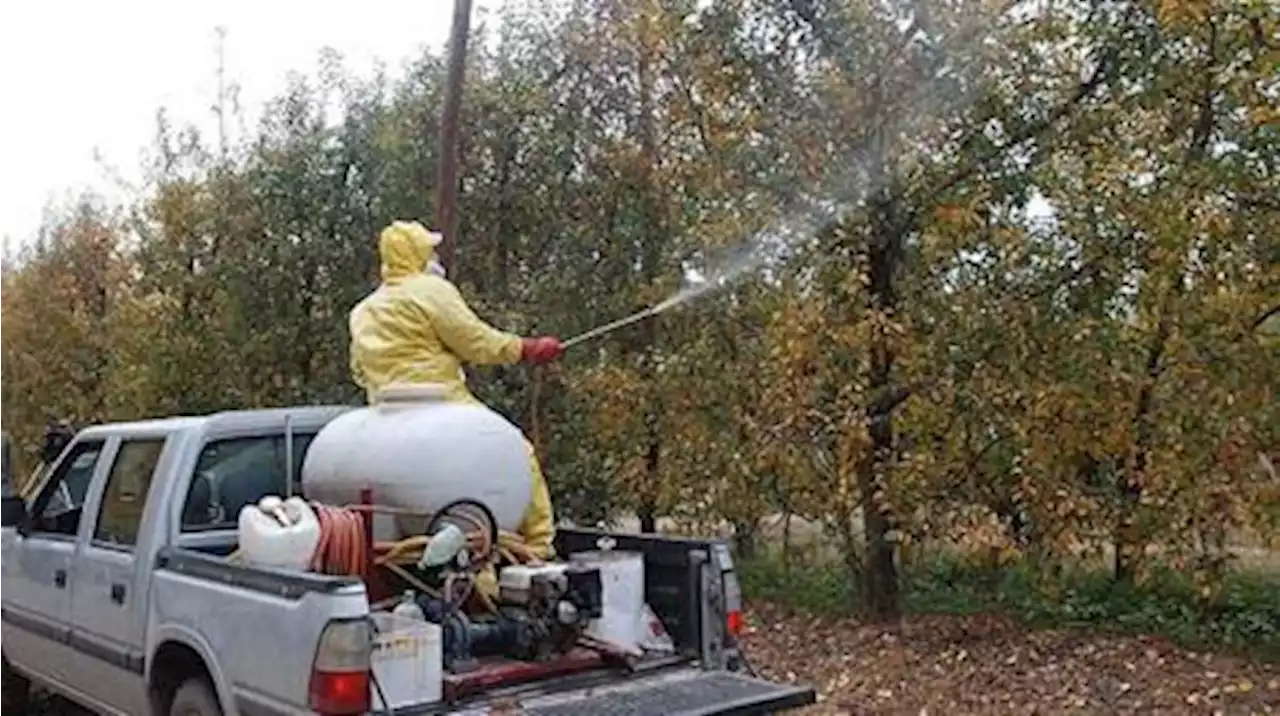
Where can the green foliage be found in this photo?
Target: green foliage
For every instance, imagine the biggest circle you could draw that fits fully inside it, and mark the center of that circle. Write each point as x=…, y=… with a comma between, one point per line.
x=1245, y=617
x=926, y=364
x=813, y=587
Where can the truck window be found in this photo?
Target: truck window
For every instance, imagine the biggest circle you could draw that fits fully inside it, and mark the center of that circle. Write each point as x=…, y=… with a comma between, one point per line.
x=58, y=506
x=126, y=492
x=233, y=473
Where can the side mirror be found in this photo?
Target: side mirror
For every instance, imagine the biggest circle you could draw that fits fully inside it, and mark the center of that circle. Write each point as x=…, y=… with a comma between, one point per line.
x=57, y=436
x=13, y=509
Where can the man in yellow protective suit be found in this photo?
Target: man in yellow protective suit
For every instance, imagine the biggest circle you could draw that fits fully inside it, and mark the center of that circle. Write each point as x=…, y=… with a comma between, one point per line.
x=416, y=328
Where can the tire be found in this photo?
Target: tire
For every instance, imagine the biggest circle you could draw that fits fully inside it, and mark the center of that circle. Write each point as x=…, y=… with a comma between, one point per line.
x=195, y=697
x=15, y=688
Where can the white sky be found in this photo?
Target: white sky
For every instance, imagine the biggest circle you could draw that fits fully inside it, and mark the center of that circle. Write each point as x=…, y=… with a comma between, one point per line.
x=86, y=77
x=76, y=77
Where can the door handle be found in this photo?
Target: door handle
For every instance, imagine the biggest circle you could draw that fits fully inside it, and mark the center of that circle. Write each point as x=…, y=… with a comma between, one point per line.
x=117, y=593
x=60, y=579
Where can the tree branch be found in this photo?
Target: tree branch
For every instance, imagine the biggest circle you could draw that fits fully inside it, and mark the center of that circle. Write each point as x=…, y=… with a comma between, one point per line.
x=892, y=397
x=1257, y=201
x=1263, y=317
x=1096, y=79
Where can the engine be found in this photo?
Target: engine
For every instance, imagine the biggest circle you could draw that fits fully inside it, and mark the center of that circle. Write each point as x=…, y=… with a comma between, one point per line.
x=542, y=612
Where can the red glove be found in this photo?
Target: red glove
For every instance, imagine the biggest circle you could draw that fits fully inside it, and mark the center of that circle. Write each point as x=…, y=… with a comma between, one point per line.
x=540, y=350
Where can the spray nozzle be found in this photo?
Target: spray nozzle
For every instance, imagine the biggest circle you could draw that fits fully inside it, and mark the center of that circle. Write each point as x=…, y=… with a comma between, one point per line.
x=692, y=279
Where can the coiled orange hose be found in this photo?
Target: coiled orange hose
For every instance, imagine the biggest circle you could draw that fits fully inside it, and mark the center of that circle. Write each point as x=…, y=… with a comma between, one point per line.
x=341, y=549
x=342, y=541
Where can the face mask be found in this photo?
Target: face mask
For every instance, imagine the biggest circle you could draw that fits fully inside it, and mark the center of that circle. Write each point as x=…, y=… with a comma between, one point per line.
x=434, y=267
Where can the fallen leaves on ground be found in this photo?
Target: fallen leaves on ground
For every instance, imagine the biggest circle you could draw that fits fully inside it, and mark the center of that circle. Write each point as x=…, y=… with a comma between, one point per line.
x=943, y=666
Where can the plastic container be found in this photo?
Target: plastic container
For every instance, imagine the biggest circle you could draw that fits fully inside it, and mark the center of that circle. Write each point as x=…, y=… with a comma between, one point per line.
x=655, y=637
x=622, y=596
x=443, y=547
x=418, y=452
x=278, y=533
x=407, y=662
x=408, y=608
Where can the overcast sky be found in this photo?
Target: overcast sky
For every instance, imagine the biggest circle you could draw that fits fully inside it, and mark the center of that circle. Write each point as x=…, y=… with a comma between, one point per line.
x=80, y=77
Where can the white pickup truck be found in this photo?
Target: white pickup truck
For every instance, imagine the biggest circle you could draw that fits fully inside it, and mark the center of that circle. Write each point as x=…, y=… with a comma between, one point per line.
x=119, y=593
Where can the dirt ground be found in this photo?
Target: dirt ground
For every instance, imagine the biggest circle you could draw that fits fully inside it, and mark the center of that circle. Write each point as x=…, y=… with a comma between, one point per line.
x=953, y=666
x=947, y=666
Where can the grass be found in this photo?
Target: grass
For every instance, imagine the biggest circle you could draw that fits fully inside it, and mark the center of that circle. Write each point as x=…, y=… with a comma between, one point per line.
x=1244, y=617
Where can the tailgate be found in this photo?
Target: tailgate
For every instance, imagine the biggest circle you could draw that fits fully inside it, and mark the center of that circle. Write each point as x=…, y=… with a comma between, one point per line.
x=682, y=692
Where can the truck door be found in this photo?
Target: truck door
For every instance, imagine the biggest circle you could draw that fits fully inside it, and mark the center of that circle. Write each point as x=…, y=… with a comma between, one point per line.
x=38, y=568
x=109, y=607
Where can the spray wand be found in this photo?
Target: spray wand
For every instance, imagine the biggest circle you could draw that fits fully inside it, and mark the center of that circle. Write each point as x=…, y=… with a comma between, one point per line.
x=693, y=285
x=614, y=325
x=692, y=288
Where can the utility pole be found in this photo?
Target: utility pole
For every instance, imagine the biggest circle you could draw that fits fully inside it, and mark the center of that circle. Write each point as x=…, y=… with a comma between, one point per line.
x=450, y=118
x=220, y=108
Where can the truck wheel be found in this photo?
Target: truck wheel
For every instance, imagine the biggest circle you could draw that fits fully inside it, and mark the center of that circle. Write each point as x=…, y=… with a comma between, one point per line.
x=195, y=697
x=14, y=687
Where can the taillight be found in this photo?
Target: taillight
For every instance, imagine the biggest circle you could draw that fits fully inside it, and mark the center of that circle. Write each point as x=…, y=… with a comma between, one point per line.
x=733, y=623
x=340, y=670
x=732, y=604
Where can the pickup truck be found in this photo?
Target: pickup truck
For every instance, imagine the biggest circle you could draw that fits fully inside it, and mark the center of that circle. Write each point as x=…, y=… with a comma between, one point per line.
x=120, y=594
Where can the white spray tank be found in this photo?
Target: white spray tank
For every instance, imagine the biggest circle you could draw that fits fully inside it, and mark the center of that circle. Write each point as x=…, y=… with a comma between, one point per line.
x=417, y=451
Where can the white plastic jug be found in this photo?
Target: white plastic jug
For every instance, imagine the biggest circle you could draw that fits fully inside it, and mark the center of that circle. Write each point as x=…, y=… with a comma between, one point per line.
x=279, y=533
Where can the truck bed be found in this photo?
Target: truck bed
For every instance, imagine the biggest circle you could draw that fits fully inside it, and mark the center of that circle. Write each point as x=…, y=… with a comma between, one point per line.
x=683, y=683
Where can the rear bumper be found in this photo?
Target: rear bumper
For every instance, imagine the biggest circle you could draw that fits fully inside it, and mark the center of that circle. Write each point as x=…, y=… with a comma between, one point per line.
x=683, y=691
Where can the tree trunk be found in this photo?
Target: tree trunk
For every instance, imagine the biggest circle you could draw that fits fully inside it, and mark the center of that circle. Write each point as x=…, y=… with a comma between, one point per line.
x=1128, y=535
x=786, y=543
x=648, y=519
x=450, y=121
x=881, y=571
x=745, y=538
x=655, y=241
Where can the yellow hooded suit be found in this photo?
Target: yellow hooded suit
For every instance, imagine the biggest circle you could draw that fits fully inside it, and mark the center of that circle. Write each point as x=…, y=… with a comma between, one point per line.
x=416, y=328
